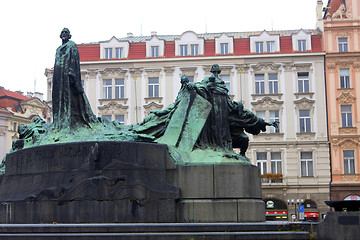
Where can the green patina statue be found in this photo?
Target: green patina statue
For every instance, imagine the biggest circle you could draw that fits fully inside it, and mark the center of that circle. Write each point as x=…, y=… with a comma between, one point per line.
x=70, y=104
x=201, y=127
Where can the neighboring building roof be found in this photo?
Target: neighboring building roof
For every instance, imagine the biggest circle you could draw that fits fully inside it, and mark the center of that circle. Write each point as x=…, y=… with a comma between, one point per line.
x=333, y=6
x=211, y=36
x=11, y=99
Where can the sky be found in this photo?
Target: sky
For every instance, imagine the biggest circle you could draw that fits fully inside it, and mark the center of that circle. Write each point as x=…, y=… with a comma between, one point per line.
x=31, y=28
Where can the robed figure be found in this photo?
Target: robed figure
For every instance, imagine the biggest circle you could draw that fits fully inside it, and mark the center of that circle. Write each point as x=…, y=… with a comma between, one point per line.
x=70, y=104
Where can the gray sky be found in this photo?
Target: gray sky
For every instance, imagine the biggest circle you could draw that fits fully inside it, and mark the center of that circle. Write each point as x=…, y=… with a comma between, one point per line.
x=31, y=28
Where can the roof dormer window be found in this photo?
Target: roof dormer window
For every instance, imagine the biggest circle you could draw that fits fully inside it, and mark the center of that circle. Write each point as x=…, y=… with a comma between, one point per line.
x=264, y=43
x=224, y=45
x=155, y=46
x=114, y=48
x=301, y=41
x=108, y=53
x=189, y=44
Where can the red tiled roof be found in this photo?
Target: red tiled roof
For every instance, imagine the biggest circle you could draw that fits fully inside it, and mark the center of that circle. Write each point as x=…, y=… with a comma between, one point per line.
x=209, y=48
x=11, y=99
x=137, y=51
x=169, y=50
x=316, y=44
x=89, y=52
x=242, y=46
x=285, y=44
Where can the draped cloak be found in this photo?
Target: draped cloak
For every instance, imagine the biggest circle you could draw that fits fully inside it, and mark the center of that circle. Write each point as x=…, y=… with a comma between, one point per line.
x=70, y=104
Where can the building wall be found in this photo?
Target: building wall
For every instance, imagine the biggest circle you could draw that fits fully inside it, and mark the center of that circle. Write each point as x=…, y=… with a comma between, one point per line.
x=343, y=137
x=241, y=67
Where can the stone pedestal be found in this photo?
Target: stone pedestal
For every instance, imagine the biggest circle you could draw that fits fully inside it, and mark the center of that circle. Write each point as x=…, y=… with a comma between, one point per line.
x=94, y=182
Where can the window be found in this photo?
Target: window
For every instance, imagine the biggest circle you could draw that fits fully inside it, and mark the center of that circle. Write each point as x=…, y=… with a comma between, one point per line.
x=194, y=49
x=274, y=116
x=261, y=162
x=270, y=46
x=191, y=78
x=261, y=114
x=273, y=83
x=119, y=52
x=275, y=158
x=153, y=87
x=303, y=82
x=259, y=47
x=349, y=163
x=224, y=48
x=107, y=88
x=302, y=45
x=108, y=53
x=343, y=44
x=154, y=51
x=108, y=117
x=120, y=119
x=183, y=50
x=259, y=84
x=119, y=88
x=346, y=116
x=226, y=79
x=306, y=164
x=304, y=116
x=344, y=78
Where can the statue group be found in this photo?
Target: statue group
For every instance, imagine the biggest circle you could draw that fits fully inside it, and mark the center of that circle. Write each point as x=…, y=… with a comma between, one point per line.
x=202, y=119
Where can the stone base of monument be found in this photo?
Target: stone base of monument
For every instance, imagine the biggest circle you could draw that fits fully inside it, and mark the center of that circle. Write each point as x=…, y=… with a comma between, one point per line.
x=106, y=182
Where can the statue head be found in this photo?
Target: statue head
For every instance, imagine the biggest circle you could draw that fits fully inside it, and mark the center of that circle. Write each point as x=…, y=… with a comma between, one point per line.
x=184, y=79
x=65, y=35
x=215, y=69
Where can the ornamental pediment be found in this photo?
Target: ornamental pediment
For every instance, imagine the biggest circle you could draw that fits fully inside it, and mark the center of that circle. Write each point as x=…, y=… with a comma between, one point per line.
x=113, y=105
x=112, y=72
x=266, y=67
x=346, y=97
x=304, y=103
x=348, y=144
x=267, y=103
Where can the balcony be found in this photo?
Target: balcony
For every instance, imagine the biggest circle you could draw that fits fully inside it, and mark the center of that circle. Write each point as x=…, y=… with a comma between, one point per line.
x=271, y=178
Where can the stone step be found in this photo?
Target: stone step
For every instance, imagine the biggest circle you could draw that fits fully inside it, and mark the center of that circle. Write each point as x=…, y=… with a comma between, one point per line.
x=293, y=235
x=157, y=227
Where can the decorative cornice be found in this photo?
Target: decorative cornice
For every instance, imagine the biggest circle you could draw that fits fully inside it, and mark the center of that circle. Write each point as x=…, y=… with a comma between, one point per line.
x=112, y=72
x=113, y=105
x=153, y=105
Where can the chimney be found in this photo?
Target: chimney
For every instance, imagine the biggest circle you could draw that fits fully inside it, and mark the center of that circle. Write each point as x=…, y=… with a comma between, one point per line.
x=130, y=34
x=39, y=95
x=319, y=13
x=153, y=33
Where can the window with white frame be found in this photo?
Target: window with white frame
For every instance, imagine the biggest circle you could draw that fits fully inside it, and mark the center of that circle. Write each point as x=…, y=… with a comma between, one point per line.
x=119, y=88
x=154, y=51
x=349, y=162
x=153, y=87
x=261, y=114
x=226, y=79
x=270, y=46
x=259, y=48
x=119, y=52
x=305, y=120
x=191, y=78
x=108, y=117
x=302, y=45
x=107, y=88
x=120, y=119
x=108, y=53
x=343, y=44
x=273, y=83
x=275, y=160
x=224, y=48
x=346, y=115
x=307, y=164
x=274, y=116
x=261, y=162
x=344, y=78
x=259, y=84
x=183, y=50
x=194, y=49
x=303, y=82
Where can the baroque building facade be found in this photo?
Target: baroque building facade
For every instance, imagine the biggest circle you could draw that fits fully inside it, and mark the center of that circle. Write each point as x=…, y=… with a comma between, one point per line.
x=279, y=75
x=342, y=46
x=17, y=109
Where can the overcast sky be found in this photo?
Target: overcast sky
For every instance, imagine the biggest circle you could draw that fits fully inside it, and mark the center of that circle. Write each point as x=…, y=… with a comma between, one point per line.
x=31, y=28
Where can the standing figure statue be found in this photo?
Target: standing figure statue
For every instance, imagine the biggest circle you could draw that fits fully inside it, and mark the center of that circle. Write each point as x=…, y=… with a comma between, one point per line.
x=70, y=104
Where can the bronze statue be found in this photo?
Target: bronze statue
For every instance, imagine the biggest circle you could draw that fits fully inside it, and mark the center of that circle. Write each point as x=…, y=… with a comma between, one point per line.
x=70, y=104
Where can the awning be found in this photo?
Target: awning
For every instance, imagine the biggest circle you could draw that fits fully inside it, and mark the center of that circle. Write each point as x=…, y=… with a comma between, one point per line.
x=312, y=214
x=276, y=213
